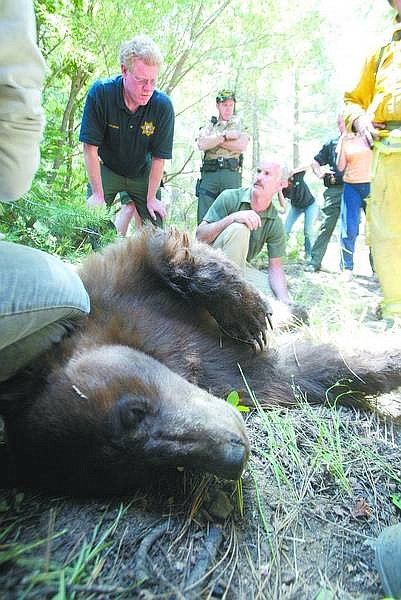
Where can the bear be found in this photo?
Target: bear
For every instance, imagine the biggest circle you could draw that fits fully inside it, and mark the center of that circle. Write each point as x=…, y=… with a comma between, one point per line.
x=137, y=390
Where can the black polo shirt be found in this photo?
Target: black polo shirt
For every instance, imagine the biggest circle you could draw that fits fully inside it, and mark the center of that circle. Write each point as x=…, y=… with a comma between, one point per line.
x=127, y=140
x=298, y=192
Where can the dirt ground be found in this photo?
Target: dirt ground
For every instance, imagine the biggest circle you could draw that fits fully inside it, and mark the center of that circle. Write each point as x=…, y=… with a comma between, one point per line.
x=320, y=486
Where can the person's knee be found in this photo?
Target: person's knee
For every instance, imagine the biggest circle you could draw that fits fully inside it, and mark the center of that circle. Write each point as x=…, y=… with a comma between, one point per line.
x=234, y=241
x=63, y=290
x=129, y=209
x=238, y=231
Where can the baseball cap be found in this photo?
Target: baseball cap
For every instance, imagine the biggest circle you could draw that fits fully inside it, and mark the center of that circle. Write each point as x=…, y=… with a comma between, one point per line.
x=225, y=94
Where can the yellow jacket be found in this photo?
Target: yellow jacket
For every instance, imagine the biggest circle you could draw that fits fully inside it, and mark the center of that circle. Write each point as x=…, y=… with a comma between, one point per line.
x=378, y=91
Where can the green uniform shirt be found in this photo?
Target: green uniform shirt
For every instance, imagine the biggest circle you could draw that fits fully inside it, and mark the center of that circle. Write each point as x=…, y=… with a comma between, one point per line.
x=271, y=231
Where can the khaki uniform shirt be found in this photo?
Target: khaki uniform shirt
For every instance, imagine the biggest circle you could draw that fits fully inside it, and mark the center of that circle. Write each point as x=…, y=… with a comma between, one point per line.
x=221, y=127
x=271, y=231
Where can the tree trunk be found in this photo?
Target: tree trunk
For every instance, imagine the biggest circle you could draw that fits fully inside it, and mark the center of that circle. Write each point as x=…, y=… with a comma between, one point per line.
x=255, y=133
x=78, y=80
x=296, y=123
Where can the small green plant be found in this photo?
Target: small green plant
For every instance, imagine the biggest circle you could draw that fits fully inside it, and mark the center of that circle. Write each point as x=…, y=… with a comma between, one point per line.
x=396, y=500
x=239, y=493
x=234, y=399
x=57, y=222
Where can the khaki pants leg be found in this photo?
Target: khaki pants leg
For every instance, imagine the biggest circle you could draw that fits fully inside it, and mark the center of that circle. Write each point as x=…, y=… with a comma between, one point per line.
x=234, y=241
x=384, y=216
x=41, y=298
x=22, y=71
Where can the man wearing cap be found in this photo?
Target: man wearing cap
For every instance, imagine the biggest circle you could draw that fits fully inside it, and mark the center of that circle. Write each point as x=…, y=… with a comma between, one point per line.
x=223, y=140
x=127, y=133
x=373, y=109
x=241, y=221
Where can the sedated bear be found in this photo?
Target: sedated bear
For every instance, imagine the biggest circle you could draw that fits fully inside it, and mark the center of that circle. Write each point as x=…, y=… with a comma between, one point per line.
x=137, y=389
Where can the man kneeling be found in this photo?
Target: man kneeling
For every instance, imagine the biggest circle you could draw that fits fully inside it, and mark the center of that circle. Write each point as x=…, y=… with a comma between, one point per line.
x=241, y=221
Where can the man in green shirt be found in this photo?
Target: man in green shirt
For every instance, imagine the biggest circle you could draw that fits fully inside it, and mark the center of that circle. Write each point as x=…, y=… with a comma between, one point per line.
x=241, y=221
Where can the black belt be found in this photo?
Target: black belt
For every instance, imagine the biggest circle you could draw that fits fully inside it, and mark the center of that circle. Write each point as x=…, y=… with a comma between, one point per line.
x=214, y=164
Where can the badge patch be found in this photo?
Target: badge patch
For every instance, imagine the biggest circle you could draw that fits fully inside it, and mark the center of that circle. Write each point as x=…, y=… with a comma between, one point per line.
x=148, y=128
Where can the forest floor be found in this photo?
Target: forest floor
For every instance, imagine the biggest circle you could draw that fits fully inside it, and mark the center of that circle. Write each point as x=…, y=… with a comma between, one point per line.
x=320, y=485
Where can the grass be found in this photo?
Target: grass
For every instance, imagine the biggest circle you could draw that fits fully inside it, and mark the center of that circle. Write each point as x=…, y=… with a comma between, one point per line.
x=76, y=576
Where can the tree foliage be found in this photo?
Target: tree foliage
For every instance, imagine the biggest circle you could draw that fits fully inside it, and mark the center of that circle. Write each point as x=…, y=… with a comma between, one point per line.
x=275, y=54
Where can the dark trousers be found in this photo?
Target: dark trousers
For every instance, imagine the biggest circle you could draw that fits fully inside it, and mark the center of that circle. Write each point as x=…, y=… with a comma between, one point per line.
x=135, y=189
x=330, y=212
x=130, y=190
x=212, y=184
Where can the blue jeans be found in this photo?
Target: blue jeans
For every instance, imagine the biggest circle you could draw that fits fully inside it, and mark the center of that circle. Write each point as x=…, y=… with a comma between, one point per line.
x=353, y=201
x=41, y=298
x=310, y=214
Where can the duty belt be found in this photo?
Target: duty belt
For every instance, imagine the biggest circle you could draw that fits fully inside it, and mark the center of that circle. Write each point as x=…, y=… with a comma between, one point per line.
x=220, y=162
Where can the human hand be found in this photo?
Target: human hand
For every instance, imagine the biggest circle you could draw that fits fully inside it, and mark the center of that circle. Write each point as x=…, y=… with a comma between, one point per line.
x=250, y=218
x=326, y=172
x=154, y=207
x=231, y=134
x=364, y=127
x=96, y=200
x=281, y=199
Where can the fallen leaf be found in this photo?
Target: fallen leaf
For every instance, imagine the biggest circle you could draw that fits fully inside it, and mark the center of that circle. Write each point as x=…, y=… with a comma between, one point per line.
x=361, y=509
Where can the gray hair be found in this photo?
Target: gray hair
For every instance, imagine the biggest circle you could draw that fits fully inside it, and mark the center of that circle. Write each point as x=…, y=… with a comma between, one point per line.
x=142, y=47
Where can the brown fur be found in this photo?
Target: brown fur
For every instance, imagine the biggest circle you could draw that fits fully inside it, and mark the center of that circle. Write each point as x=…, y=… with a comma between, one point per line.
x=136, y=390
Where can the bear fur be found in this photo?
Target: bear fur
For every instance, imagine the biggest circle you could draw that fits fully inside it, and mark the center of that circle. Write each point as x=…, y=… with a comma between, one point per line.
x=136, y=390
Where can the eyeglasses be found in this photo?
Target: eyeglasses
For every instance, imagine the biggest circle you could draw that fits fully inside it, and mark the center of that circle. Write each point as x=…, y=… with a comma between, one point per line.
x=142, y=82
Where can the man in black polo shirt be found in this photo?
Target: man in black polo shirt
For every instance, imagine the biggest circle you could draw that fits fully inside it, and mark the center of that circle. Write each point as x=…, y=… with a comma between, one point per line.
x=333, y=180
x=127, y=131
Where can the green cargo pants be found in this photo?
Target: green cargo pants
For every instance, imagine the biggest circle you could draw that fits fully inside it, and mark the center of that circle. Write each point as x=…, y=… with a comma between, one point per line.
x=331, y=212
x=212, y=184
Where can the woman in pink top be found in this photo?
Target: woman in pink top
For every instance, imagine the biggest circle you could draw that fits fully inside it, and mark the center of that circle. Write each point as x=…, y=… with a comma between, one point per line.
x=354, y=157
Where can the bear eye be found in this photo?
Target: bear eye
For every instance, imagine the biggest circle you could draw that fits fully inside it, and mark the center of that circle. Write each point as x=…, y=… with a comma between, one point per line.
x=126, y=414
x=131, y=412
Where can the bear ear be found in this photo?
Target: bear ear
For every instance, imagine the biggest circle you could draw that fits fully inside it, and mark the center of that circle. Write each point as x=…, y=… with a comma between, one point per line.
x=126, y=414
